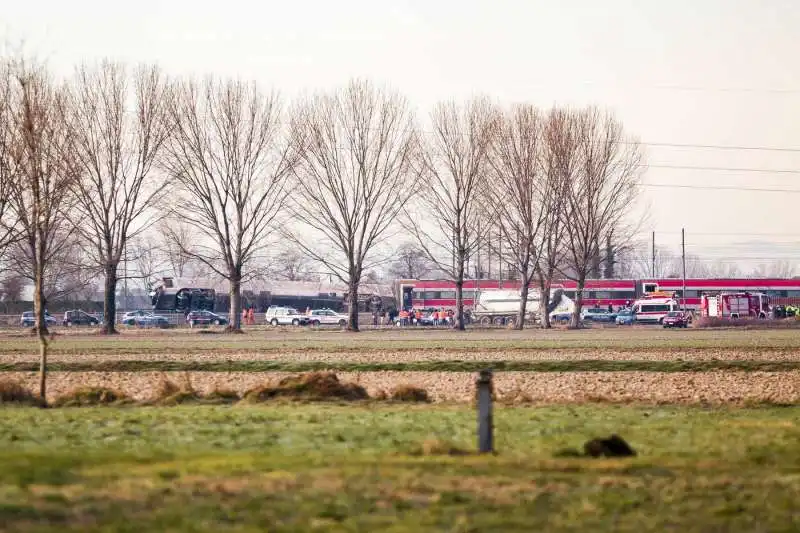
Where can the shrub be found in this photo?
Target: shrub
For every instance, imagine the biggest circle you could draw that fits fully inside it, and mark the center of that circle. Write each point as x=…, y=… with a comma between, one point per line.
x=183, y=396
x=309, y=386
x=13, y=392
x=409, y=393
x=170, y=393
x=708, y=322
x=89, y=396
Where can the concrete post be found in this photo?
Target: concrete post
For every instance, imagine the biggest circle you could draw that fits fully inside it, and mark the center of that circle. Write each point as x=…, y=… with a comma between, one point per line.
x=485, y=423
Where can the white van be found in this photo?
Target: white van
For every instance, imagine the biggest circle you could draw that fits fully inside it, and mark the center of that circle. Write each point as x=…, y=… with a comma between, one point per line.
x=654, y=310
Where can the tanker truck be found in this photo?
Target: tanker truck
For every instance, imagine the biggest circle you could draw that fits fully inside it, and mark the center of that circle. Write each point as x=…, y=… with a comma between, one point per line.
x=499, y=307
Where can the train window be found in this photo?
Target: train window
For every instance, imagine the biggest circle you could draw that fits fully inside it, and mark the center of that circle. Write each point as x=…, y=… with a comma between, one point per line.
x=793, y=294
x=600, y=295
x=650, y=287
x=447, y=295
x=654, y=308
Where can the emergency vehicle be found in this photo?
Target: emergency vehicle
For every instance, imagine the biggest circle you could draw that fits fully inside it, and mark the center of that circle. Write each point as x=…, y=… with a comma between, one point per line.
x=654, y=307
x=735, y=305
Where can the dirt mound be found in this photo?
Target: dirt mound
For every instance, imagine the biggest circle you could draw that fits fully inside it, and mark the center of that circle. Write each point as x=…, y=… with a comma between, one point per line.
x=13, y=392
x=91, y=396
x=309, y=386
x=613, y=446
x=410, y=393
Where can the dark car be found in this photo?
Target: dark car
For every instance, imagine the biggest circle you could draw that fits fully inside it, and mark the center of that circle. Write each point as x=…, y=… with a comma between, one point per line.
x=677, y=319
x=199, y=318
x=598, y=315
x=76, y=317
x=28, y=320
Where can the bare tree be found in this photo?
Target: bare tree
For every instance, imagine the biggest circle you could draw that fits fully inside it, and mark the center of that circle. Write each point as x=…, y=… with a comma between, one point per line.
x=453, y=170
x=179, y=244
x=354, y=178
x=602, y=187
x=292, y=265
x=778, y=269
x=410, y=262
x=117, y=150
x=636, y=261
x=558, y=162
x=148, y=261
x=11, y=287
x=67, y=271
x=40, y=162
x=228, y=156
x=516, y=195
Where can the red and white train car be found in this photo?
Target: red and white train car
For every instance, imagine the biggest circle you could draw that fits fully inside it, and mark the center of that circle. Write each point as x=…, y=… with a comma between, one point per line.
x=603, y=292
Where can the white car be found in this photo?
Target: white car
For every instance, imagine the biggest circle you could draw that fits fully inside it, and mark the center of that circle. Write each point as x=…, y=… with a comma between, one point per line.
x=327, y=317
x=285, y=316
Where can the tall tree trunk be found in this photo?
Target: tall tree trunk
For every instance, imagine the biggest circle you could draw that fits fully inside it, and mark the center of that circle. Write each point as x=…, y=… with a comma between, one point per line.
x=110, y=299
x=523, y=305
x=458, y=323
x=352, y=311
x=576, y=313
x=545, y=297
x=235, y=295
x=39, y=306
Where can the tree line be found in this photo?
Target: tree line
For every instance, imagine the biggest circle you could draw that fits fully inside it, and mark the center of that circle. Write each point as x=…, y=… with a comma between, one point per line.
x=90, y=162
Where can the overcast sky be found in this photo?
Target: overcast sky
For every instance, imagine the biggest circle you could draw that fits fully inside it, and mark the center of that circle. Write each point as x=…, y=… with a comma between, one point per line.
x=702, y=72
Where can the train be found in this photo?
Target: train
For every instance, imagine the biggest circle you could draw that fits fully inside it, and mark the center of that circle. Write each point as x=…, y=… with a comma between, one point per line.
x=618, y=293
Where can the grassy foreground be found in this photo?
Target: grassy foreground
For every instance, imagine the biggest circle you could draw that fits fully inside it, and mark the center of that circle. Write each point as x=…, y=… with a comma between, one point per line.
x=359, y=468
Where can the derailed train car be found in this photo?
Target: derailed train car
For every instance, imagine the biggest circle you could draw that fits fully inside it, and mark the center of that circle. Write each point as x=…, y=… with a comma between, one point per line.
x=179, y=297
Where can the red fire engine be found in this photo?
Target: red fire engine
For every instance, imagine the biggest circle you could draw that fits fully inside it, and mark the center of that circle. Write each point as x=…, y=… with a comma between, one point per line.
x=735, y=305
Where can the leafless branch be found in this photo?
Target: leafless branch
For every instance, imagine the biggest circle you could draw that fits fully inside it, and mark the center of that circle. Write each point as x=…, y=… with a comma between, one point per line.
x=227, y=154
x=354, y=177
x=453, y=168
x=117, y=151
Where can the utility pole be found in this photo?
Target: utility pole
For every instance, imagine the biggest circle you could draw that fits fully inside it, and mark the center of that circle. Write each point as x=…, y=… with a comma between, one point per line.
x=125, y=282
x=683, y=260
x=654, y=256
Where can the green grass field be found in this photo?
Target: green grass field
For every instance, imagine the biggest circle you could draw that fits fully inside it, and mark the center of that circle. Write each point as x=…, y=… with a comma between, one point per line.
x=358, y=468
x=381, y=466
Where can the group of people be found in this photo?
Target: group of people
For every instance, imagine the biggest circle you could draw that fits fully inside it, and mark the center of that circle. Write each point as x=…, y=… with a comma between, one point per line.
x=248, y=316
x=414, y=317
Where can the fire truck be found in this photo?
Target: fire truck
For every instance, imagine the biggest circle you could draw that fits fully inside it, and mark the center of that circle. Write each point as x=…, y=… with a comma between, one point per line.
x=735, y=305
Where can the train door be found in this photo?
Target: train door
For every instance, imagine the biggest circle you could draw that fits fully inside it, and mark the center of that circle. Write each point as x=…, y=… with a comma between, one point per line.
x=406, y=296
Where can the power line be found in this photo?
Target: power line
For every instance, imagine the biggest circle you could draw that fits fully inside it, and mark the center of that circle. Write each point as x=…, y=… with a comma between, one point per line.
x=727, y=169
x=715, y=188
x=721, y=147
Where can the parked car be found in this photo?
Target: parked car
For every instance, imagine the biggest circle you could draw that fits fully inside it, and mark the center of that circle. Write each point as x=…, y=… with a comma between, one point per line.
x=76, y=317
x=198, y=318
x=285, y=316
x=598, y=315
x=327, y=317
x=677, y=319
x=560, y=318
x=626, y=317
x=28, y=320
x=144, y=319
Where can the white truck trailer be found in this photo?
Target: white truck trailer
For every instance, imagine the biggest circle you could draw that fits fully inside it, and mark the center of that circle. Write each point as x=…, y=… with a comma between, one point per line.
x=500, y=307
